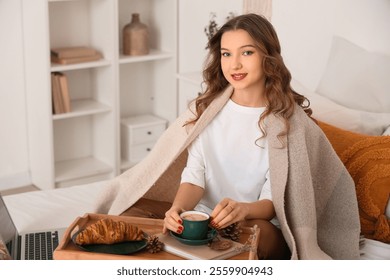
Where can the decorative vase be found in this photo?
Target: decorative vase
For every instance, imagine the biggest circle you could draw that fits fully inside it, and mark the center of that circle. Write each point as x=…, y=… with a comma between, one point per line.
x=135, y=37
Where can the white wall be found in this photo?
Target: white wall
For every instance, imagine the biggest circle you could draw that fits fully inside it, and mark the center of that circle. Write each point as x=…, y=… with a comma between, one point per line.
x=194, y=16
x=14, y=167
x=305, y=28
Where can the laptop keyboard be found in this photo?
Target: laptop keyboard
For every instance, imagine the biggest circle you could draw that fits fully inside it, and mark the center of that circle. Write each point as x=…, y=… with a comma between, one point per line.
x=40, y=245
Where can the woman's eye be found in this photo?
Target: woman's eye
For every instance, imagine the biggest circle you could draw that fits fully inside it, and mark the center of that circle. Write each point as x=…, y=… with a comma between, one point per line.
x=226, y=54
x=247, y=53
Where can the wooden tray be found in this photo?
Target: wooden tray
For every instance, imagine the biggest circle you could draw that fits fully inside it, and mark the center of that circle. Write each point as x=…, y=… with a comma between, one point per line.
x=67, y=250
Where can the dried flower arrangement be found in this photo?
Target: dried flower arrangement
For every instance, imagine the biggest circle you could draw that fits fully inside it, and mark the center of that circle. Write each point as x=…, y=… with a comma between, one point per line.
x=212, y=27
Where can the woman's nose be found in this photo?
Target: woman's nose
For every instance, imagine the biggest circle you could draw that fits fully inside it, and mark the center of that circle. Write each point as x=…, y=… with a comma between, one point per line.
x=236, y=64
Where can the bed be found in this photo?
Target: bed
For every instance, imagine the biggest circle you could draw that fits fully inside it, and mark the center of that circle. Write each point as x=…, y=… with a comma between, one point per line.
x=352, y=100
x=345, y=105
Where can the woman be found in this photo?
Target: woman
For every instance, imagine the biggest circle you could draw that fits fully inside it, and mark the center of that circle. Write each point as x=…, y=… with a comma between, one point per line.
x=254, y=156
x=244, y=53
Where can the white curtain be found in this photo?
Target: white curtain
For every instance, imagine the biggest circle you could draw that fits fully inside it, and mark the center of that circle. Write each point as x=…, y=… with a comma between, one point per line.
x=261, y=7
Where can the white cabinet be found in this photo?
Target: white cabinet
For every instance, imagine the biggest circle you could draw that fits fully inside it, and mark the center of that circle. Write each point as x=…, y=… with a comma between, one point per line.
x=84, y=145
x=138, y=136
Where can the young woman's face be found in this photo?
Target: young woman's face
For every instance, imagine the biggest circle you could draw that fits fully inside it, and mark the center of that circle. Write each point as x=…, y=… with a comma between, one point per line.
x=241, y=61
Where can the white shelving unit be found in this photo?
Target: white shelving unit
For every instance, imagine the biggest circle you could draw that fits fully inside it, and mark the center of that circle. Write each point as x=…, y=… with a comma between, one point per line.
x=84, y=145
x=147, y=83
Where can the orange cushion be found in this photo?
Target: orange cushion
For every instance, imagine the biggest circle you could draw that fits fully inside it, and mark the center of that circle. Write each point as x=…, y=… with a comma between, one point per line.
x=367, y=159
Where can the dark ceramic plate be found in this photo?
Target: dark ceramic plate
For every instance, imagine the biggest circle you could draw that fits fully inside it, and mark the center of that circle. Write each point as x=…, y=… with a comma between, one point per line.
x=212, y=233
x=123, y=248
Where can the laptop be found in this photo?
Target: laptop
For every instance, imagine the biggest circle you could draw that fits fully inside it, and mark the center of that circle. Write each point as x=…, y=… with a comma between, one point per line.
x=26, y=246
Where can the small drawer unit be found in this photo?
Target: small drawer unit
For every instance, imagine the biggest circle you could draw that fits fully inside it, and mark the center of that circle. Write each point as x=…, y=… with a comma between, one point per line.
x=138, y=136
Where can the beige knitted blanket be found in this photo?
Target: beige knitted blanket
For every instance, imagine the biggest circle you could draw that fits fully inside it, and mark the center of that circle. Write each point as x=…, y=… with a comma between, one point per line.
x=313, y=194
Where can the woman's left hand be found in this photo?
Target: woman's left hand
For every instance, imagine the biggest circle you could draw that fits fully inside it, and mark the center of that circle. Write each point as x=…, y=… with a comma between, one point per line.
x=227, y=212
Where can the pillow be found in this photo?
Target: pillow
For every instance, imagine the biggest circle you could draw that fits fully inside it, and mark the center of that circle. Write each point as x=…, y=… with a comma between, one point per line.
x=367, y=158
x=356, y=78
x=330, y=112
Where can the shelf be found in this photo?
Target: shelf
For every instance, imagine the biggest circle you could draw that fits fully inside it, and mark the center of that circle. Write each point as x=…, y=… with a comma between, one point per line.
x=83, y=108
x=85, y=65
x=77, y=168
x=62, y=0
x=142, y=120
x=191, y=77
x=126, y=164
x=153, y=55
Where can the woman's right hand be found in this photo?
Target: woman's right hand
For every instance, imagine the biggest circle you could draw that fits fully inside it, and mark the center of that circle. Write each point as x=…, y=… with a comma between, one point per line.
x=173, y=221
x=187, y=196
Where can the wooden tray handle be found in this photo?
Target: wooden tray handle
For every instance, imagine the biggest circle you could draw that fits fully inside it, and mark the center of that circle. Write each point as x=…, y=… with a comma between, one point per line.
x=255, y=241
x=72, y=229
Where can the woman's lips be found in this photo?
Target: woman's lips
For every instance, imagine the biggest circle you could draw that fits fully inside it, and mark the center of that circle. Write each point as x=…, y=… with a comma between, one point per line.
x=239, y=76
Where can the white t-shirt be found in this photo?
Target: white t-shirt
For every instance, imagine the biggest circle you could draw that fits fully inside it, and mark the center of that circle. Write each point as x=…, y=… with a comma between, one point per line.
x=228, y=159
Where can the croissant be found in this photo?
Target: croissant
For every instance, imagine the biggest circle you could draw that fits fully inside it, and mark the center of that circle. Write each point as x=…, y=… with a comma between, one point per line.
x=108, y=231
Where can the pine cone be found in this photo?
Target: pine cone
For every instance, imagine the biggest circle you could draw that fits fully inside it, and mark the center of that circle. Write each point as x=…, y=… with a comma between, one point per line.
x=231, y=232
x=154, y=245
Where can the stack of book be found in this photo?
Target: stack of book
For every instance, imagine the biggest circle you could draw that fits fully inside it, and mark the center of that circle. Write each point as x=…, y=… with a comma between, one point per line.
x=70, y=55
x=60, y=93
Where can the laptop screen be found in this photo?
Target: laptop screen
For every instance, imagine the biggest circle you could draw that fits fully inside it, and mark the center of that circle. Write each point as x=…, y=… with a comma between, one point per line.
x=8, y=232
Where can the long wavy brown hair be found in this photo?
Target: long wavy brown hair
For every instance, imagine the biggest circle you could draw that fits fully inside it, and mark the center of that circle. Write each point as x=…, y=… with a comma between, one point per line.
x=279, y=95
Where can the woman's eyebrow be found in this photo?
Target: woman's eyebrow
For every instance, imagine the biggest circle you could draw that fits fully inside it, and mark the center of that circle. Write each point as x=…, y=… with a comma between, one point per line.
x=242, y=47
x=246, y=46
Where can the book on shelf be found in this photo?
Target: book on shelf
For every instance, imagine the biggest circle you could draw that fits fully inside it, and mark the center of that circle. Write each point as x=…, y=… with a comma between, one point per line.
x=55, y=92
x=76, y=59
x=71, y=55
x=71, y=52
x=60, y=93
x=64, y=92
